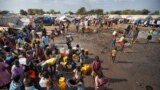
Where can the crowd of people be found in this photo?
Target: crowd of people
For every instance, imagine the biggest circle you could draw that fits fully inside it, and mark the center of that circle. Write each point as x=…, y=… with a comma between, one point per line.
x=129, y=36
x=29, y=61
x=82, y=25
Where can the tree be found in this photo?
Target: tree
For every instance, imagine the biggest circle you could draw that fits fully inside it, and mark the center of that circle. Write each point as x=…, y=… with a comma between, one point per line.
x=52, y=11
x=4, y=12
x=131, y=12
x=116, y=12
x=81, y=11
x=23, y=12
x=35, y=11
x=107, y=13
x=70, y=12
x=99, y=11
x=156, y=13
x=145, y=11
x=91, y=11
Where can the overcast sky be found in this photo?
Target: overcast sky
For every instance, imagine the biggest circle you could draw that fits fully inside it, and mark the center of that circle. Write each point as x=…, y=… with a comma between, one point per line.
x=73, y=5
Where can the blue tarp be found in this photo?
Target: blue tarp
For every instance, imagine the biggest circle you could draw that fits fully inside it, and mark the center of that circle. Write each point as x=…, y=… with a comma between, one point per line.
x=47, y=20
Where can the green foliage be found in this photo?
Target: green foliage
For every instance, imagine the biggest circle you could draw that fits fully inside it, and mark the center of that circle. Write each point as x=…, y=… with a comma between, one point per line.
x=131, y=12
x=23, y=12
x=36, y=11
x=70, y=12
x=81, y=11
x=145, y=11
x=156, y=13
x=4, y=12
x=96, y=11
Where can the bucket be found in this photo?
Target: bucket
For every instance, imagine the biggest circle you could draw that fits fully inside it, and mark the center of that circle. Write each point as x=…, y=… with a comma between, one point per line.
x=72, y=84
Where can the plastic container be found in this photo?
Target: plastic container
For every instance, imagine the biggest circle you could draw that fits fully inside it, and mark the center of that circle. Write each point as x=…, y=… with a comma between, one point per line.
x=85, y=69
x=75, y=57
x=62, y=83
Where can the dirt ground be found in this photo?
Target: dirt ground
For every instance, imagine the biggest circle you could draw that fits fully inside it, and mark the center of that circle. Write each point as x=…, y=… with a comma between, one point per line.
x=133, y=71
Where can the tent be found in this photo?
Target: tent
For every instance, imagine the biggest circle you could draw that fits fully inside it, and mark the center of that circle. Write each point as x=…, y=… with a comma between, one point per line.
x=65, y=18
x=115, y=16
x=149, y=18
x=137, y=21
x=130, y=17
x=26, y=21
x=13, y=22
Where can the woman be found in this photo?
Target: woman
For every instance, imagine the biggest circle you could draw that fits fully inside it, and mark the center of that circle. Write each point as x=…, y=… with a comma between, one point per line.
x=5, y=76
x=43, y=78
x=77, y=74
x=96, y=65
x=100, y=81
x=17, y=69
x=39, y=53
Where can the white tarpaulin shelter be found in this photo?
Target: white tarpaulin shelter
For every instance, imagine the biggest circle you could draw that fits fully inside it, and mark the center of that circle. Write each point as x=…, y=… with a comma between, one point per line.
x=115, y=16
x=14, y=22
x=64, y=18
x=130, y=17
x=25, y=21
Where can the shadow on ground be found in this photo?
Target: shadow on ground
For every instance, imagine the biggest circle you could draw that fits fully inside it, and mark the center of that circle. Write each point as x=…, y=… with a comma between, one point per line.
x=124, y=62
x=91, y=88
x=105, y=68
x=117, y=80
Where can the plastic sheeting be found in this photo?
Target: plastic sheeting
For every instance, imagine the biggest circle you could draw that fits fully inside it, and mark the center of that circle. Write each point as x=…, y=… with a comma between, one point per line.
x=14, y=22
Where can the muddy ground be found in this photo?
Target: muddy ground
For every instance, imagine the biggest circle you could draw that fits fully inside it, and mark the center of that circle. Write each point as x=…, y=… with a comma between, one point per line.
x=133, y=71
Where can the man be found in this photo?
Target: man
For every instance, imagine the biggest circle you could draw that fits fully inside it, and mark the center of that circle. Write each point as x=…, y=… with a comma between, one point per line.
x=135, y=35
x=69, y=39
x=68, y=23
x=77, y=26
x=127, y=30
x=62, y=27
x=83, y=26
x=50, y=63
x=45, y=40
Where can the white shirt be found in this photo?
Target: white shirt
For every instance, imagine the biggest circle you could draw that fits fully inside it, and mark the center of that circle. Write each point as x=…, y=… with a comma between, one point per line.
x=42, y=82
x=114, y=33
x=121, y=39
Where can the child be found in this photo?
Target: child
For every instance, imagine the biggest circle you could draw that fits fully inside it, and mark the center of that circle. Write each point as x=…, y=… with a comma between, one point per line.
x=113, y=54
x=113, y=42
